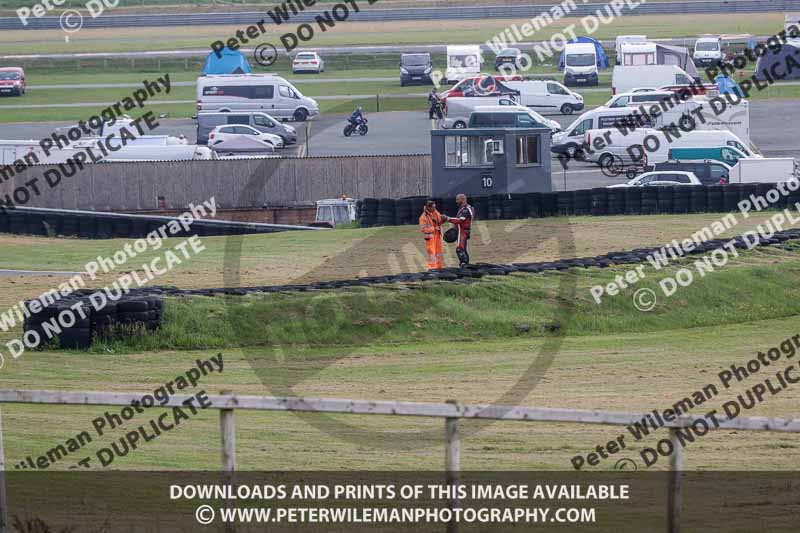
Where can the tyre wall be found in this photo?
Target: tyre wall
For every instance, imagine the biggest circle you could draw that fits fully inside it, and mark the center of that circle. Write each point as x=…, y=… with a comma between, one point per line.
x=99, y=225
x=599, y=201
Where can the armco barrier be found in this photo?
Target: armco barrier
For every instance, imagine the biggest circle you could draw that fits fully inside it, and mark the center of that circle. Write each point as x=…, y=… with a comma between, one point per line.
x=599, y=201
x=100, y=225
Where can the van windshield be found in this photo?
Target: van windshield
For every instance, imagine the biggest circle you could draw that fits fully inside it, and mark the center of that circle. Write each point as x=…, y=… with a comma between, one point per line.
x=415, y=60
x=580, y=60
x=707, y=47
x=9, y=75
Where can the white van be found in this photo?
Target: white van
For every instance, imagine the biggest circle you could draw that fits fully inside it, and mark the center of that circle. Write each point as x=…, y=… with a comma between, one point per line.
x=570, y=140
x=580, y=64
x=638, y=54
x=625, y=79
x=707, y=51
x=547, y=96
x=463, y=61
x=649, y=146
x=624, y=39
x=254, y=92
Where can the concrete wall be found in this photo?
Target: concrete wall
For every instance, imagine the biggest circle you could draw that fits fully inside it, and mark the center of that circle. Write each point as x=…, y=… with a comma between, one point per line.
x=134, y=186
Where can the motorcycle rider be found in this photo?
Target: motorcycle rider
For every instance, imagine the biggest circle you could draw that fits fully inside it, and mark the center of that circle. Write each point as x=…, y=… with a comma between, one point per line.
x=435, y=104
x=357, y=117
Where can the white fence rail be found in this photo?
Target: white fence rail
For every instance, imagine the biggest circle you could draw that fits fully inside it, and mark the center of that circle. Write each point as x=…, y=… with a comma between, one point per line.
x=452, y=412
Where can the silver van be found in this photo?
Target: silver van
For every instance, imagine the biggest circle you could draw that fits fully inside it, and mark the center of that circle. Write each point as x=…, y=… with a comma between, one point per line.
x=260, y=121
x=254, y=92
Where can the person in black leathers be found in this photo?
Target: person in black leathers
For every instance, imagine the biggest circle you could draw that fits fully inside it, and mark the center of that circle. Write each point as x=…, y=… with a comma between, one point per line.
x=463, y=219
x=435, y=104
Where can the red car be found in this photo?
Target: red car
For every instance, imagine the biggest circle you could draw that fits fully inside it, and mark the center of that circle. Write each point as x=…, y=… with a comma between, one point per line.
x=12, y=81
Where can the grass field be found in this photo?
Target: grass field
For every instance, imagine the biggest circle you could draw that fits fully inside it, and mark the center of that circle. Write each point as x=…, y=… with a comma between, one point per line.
x=376, y=33
x=438, y=342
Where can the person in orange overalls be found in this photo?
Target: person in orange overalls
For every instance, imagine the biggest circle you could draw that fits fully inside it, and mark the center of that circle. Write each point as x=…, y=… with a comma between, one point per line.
x=430, y=222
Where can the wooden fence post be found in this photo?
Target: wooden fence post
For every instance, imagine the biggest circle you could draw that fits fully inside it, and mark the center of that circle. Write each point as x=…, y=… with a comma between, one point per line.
x=227, y=430
x=3, y=502
x=452, y=464
x=675, y=496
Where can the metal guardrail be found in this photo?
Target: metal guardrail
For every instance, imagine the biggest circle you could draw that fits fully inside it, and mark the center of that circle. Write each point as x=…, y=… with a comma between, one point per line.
x=400, y=14
x=451, y=412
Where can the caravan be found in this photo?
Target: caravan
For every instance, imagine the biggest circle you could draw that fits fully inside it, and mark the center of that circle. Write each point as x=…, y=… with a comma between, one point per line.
x=463, y=61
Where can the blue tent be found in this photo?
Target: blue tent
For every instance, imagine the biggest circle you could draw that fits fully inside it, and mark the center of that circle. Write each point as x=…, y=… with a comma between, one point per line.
x=230, y=62
x=602, y=58
x=727, y=85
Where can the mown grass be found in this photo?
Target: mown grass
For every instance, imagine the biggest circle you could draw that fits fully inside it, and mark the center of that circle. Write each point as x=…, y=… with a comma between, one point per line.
x=393, y=33
x=493, y=308
x=437, y=342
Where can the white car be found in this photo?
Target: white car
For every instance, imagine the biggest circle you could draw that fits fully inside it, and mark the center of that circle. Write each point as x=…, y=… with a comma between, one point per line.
x=308, y=62
x=242, y=138
x=661, y=178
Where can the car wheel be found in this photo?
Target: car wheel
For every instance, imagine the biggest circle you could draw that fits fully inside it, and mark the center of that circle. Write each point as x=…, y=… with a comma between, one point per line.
x=572, y=150
x=566, y=109
x=300, y=115
x=460, y=125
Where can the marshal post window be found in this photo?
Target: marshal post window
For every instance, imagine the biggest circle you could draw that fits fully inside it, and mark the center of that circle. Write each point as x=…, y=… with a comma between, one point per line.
x=466, y=152
x=528, y=151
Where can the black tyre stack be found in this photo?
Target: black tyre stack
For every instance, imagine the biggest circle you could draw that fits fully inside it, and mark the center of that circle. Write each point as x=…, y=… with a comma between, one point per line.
x=515, y=207
x=681, y=199
x=649, y=200
x=599, y=201
x=386, y=212
x=496, y=206
x=616, y=201
x=549, y=204
x=633, y=200
x=715, y=198
x=481, y=206
x=404, y=212
x=566, y=202
x=533, y=204
x=730, y=196
x=369, y=212
x=665, y=196
x=582, y=202
x=80, y=323
x=698, y=199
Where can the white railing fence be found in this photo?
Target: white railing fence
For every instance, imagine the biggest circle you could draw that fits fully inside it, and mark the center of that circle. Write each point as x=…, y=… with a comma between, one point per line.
x=451, y=412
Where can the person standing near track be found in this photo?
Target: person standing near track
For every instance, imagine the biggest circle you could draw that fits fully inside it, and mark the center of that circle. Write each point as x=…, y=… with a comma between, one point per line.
x=463, y=220
x=430, y=222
